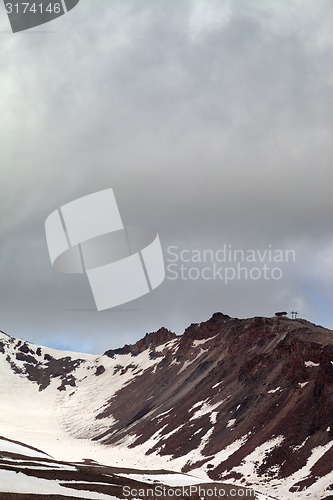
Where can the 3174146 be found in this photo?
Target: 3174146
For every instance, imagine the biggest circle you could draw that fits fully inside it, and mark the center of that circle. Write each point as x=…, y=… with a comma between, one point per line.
x=34, y=8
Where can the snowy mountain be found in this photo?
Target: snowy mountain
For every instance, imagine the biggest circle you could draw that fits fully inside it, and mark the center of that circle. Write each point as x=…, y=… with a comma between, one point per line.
x=240, y=401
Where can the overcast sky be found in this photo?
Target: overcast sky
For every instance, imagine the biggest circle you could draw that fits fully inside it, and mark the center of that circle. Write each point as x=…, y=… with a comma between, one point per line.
x=212, y=122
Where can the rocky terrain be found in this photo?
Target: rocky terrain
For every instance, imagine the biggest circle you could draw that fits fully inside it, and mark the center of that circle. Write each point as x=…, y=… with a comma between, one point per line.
x=241, y=401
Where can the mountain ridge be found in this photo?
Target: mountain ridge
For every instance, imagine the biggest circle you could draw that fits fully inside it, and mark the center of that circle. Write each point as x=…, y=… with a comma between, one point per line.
x=245, y=401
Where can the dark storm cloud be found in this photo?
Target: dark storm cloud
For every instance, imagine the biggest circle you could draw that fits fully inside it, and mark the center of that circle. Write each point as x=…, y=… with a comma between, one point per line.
x=211, y=121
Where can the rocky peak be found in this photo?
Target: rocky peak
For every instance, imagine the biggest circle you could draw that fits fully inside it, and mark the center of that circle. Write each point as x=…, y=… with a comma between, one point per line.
x=149, y=341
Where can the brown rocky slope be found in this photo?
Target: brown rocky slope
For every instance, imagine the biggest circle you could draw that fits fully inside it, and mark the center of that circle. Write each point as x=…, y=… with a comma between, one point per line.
x=229, y=380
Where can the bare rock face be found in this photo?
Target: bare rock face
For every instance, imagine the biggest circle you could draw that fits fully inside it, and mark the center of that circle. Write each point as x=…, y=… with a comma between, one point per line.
x=149, y=341
x=253, y=382
x=99, y=370
x=27, y=360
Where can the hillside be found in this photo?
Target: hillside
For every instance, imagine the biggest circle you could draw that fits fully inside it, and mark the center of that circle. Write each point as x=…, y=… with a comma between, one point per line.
x=242, y=401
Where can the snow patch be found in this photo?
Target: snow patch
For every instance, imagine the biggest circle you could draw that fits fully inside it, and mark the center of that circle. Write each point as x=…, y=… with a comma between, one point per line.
x=249, y=466
x=229, y=450
x=205, y=408
x=213, y=417
x=195, y=343
x=272, y=391
x=10, y=447
x=311, y=363
x=216, y=385
x=167, y=345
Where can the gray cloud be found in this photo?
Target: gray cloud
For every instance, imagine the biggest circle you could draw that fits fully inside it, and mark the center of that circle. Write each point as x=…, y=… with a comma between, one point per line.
x=211, y=121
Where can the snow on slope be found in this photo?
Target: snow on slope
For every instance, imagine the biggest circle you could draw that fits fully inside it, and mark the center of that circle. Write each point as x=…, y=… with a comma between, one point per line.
x=17, y=448
x=20, y=463
x=61, y=423
x=17, y=482
x=27, y=471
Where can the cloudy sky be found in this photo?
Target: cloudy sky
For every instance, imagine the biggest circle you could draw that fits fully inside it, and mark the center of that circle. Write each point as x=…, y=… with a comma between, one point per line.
x=212, y=122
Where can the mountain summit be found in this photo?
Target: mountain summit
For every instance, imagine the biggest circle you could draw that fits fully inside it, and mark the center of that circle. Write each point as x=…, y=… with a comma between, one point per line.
x=243, y=401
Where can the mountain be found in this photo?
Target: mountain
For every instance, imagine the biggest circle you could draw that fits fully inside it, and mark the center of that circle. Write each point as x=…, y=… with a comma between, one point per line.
x=241, y=401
